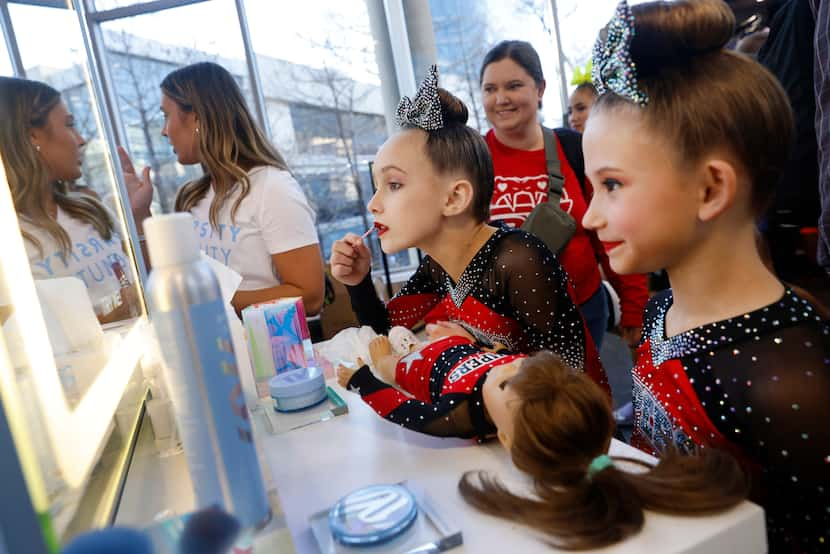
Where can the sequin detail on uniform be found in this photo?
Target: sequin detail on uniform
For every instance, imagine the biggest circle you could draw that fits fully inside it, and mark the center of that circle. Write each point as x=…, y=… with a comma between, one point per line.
x=756, y=385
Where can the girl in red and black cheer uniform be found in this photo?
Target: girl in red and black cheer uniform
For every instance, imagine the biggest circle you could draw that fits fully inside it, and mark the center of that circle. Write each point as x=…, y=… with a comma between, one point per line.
x=435, y=179
x=686, y=144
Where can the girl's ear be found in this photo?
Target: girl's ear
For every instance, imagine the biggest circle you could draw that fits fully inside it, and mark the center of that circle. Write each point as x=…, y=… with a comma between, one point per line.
x=459, y=197
x=718, y=190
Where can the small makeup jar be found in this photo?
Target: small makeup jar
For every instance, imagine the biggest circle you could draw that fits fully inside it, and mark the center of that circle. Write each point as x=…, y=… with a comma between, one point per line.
x=298, y=389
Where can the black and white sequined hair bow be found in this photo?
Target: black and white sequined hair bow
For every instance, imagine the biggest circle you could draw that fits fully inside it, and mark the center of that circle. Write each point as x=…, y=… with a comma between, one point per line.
x=613, y=69
x=424, y=110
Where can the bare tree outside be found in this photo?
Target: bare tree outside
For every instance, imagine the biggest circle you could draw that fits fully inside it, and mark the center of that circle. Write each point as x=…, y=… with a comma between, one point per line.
x=462, y=38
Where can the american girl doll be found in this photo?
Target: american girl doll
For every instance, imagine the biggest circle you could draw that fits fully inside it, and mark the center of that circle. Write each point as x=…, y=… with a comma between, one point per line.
x=557, y=426
x=686, y=144
x=434, y=182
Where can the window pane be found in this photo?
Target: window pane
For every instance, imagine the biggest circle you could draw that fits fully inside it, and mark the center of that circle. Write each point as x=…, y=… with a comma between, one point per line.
x=141, y=51
x=101, y=5
x=456, y=22
x=5, y=61
x=322, y=92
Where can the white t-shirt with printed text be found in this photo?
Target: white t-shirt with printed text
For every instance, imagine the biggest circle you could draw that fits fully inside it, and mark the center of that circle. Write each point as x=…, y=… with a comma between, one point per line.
x=274, y=217
x=91, y=258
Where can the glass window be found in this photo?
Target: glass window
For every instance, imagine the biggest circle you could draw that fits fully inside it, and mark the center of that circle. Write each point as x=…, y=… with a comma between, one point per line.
x=466, y=29
x=141, y=51
x=101, y=5
x=5, y=61
x=322, y=92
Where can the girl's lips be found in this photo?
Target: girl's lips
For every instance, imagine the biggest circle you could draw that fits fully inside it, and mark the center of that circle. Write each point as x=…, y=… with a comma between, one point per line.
x=609, y=246
x=381, y=228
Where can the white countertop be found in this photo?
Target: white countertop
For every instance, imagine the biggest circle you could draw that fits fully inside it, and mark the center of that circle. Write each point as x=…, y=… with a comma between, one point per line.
x=314, y=466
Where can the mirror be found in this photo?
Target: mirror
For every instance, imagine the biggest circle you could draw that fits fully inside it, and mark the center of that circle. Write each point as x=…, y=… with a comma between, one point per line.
x=67, y=274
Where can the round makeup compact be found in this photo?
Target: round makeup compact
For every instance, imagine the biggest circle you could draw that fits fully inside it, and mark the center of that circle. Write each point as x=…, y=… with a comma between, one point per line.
x=298, y=389
x=372, y=515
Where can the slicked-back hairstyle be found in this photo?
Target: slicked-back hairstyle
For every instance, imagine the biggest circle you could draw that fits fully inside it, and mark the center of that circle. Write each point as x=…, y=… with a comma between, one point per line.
x=703, y=98
x=458, y=148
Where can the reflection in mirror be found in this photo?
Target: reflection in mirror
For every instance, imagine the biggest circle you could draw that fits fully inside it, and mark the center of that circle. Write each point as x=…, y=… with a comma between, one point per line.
x=62, y=194
x=57, y=167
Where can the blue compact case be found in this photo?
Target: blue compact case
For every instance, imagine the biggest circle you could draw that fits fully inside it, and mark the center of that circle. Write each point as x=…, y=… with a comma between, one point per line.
x=372, y=515
x=298, y=389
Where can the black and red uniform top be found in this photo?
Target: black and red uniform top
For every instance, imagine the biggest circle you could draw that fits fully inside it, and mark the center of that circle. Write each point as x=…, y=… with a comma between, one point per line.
x=756, y=385
x=445, y=379
x=513, y=292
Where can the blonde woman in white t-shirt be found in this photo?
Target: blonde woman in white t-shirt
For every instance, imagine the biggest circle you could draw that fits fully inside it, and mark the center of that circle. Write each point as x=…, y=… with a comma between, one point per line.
x=250, y=213
x=65, y=233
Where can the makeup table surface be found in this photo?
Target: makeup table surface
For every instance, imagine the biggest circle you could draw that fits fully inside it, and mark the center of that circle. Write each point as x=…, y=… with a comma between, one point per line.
x=314, y=466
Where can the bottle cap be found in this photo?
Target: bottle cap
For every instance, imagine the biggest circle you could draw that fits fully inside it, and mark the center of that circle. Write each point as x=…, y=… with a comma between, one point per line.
x=171, y=239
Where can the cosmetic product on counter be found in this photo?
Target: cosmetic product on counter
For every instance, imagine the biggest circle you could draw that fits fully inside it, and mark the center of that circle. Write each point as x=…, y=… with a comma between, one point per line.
x=278, y=339
x=298, y=389
x=189, y=319
x=372, y=515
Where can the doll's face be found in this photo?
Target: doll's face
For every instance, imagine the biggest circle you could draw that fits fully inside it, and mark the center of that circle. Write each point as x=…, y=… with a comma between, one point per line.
x=500, y=400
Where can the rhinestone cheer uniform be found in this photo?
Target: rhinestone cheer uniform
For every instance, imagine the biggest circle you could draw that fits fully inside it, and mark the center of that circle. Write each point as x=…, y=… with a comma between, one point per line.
x=757, y=385
x=513, y=292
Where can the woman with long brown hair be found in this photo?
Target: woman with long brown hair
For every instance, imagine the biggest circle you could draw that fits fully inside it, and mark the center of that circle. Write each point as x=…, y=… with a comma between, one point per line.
x=65, y=233
x=250, y=213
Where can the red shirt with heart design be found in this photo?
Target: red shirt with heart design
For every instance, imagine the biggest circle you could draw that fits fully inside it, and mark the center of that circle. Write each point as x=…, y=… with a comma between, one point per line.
x=521, y=184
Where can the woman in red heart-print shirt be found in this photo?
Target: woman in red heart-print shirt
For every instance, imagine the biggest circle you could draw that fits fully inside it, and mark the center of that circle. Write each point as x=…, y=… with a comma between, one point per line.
x=512, y=86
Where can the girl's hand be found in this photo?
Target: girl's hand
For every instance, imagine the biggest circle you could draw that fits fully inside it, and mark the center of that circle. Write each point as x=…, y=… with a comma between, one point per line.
x=350, y=260
x=139, y=189
x=447, y=329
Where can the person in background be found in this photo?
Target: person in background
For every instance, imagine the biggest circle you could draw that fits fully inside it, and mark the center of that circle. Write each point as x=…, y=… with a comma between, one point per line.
x=492, y=285
x=250, y=213
x=687, y=142
x=512, y=85
x=65, y=233
x=579, y=105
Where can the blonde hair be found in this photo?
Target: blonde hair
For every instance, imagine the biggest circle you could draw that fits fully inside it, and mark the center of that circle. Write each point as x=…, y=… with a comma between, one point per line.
x=230, y=141
x=26, y=105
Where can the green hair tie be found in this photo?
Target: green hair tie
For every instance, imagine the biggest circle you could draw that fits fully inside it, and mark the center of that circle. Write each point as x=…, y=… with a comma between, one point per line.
x=603, y=461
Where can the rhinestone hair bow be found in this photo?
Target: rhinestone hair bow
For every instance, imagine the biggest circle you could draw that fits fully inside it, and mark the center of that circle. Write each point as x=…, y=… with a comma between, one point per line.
x=613, y=69
x=424, y=110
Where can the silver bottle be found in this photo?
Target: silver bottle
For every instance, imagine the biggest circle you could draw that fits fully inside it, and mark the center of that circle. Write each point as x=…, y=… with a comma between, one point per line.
x=190, y=323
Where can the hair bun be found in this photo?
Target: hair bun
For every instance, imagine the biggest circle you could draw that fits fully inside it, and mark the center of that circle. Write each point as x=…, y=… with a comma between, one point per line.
x=673, y=33
x=453, y=110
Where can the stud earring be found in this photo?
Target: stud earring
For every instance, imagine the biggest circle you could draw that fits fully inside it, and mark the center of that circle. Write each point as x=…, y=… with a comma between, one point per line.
x=37, y=147
x=197, y=130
